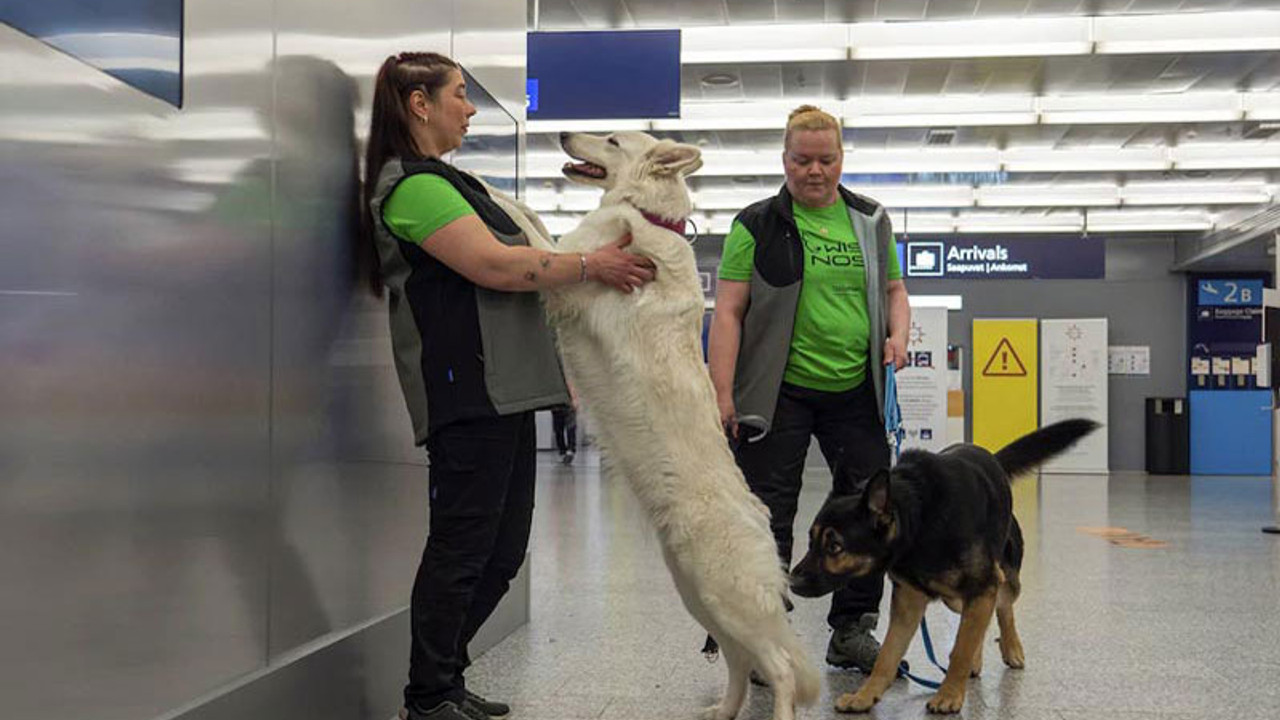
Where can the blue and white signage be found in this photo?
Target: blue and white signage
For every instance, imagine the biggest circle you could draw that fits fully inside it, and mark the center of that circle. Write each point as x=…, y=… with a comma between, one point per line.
x=1039, y=258
x=1219, y=293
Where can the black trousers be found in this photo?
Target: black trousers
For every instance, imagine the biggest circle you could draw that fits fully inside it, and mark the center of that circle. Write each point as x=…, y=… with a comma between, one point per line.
x=564, y=425
x=849, y=430
x=482, y=487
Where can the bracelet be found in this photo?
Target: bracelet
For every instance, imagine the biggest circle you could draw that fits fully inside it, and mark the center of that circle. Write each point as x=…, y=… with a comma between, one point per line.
x=582, y=277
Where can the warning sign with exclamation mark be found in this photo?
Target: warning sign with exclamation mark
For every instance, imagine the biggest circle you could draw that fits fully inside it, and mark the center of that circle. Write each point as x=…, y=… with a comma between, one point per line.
x=1004, y=362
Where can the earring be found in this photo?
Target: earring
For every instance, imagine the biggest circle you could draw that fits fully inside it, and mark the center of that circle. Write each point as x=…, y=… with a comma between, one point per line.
x=424, y=119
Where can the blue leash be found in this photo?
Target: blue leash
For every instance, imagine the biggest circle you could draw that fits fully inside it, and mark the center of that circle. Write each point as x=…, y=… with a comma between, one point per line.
x=892, y=411
x=893, y=425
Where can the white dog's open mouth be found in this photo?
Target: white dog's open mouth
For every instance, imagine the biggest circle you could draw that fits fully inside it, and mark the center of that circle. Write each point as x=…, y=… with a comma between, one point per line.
x=585, y=169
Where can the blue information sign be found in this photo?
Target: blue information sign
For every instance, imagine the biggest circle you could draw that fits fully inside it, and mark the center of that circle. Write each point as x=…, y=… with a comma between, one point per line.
x=1218, y=292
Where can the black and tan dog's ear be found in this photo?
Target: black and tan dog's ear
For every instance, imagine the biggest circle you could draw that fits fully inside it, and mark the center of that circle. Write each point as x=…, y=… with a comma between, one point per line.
x=876, y=495
x=671, y=158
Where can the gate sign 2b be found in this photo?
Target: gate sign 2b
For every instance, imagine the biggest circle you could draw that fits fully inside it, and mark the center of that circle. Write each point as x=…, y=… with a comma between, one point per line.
x=1217, y=293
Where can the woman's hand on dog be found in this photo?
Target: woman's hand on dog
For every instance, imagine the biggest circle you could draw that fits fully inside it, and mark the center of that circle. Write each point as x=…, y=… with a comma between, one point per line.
x=619, y=269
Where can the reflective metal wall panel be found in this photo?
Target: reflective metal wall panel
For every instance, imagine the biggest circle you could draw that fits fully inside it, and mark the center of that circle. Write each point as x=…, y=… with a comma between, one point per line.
x=205, y=460
x=135, y=395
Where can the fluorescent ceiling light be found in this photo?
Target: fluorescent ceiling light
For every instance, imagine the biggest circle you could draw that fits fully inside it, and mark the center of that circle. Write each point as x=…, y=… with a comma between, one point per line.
x=1064, y=195
x=1196, y=194
x=764, y=43
x=1221, y=156
x=906, y=222
x=1148, y=221
x=1143, y=108
x=918, y=196
x=1006, y=37
x=1261, y=106
x=555, y=126
x=960, y=111
x=1018, y=222
x=910, y=160
x=950, y=302
x=1187, y=32
x=970, y=38
x=1085, y=159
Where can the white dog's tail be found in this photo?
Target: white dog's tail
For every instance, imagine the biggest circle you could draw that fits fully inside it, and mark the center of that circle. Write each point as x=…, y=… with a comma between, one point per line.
x=808, y=680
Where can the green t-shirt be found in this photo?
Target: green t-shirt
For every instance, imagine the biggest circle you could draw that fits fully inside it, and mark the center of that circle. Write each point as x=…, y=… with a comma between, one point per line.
x=829, y=343
x=421, y=205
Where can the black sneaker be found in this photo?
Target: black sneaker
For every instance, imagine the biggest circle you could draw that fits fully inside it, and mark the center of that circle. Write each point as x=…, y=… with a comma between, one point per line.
x=446, y=710
x=490, y=708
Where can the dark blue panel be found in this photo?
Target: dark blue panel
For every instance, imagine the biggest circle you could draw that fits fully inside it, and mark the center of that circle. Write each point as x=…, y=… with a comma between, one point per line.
x=1231, y=432
x=1006, y=259
x=604, y=75
x=137, y=41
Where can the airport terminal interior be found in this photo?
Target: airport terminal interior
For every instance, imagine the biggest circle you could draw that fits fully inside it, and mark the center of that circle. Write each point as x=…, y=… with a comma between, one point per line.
x=212, y=505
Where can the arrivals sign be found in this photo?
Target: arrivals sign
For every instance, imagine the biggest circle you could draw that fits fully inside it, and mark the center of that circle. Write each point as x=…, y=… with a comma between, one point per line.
x=1014, y=258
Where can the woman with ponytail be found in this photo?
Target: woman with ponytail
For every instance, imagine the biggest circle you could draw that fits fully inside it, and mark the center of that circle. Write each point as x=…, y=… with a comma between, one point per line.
x=474, y=356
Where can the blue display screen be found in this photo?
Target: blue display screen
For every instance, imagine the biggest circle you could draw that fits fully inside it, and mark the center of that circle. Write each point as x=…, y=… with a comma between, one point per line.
x=597, y=75
x=136, y=41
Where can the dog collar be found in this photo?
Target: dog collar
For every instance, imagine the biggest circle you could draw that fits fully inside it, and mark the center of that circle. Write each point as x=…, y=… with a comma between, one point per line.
x=676, y=226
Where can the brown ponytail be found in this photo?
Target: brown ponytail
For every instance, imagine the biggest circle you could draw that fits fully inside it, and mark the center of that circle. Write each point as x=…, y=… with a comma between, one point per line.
x=389, y=134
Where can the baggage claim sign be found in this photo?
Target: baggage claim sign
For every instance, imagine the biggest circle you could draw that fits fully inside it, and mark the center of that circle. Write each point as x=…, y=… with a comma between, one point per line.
x=1030, y=258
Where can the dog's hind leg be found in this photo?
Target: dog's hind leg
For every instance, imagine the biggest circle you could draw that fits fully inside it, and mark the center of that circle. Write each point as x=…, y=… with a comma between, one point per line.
x=739, y=664
x=973, y=628
x=1010, y=644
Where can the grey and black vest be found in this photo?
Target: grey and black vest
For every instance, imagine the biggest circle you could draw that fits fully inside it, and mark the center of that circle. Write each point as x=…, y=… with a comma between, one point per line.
x=776, y=278
x=461, y=351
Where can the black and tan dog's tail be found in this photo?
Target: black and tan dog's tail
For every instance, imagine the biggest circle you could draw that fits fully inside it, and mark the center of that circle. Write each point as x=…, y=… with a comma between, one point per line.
x=1034, y=449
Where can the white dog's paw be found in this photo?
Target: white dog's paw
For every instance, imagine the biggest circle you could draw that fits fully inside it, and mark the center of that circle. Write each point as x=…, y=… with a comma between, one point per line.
x=713, y=713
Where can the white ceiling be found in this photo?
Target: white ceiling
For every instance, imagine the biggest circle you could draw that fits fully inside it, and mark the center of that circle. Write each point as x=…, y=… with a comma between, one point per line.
x=1170, y=134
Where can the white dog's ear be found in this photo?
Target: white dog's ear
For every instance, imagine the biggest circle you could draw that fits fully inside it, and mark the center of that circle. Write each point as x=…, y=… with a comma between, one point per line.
x=670, y=158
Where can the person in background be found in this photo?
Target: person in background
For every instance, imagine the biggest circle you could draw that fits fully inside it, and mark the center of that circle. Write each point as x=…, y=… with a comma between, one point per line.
x=564, y=424
x=474, y=356
x=810, y=308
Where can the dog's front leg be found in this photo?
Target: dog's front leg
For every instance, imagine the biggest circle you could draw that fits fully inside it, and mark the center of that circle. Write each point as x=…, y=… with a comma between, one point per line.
x=973, y=628
x=905, y=611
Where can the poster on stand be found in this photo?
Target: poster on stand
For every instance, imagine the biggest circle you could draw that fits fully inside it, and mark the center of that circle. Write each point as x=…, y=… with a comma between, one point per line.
x=922, y=384
x=1073, y=384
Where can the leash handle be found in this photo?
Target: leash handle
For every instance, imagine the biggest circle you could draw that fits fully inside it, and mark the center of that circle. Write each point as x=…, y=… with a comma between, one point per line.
x=892, y=411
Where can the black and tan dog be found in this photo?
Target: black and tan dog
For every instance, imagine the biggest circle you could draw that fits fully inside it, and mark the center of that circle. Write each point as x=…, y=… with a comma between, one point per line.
x=942, y=526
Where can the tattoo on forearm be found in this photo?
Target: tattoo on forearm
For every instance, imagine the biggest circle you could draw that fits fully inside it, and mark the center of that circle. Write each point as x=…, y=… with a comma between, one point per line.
x=531, y=276
x=545, y=262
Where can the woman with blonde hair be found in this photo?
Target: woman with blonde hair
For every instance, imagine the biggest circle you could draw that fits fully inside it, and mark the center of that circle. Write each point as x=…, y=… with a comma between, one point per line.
x=810, y=308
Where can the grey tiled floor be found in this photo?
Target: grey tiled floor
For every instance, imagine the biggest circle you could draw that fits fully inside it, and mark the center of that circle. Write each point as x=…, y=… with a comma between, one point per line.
x=1188, y=631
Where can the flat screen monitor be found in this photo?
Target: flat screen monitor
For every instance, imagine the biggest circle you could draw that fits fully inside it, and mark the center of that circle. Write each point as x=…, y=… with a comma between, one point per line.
x=595, y=75
x=136, y=41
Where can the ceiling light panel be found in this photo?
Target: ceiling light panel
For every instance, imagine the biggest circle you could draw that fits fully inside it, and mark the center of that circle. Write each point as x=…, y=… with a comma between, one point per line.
x=1006, y=37
x=970, y=38
x=1187, y=32
x=764, y=43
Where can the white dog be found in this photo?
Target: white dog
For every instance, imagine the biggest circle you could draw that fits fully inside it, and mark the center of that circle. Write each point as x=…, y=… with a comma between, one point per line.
x=637, y=361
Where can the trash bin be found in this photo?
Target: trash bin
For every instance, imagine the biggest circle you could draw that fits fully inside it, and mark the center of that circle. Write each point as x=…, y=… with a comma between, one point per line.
x=1168, y=436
